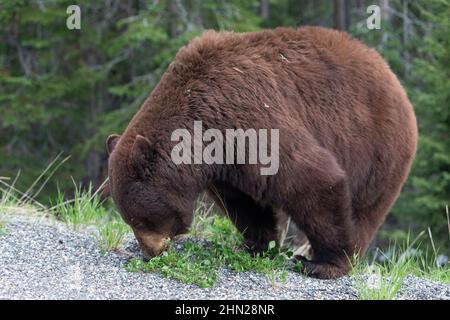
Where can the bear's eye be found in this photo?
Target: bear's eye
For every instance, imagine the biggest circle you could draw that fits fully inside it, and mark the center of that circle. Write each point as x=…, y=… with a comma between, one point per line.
x=139, y=226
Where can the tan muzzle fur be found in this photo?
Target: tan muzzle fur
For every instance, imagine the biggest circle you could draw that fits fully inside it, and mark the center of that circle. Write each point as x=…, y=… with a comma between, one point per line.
x=151, y=244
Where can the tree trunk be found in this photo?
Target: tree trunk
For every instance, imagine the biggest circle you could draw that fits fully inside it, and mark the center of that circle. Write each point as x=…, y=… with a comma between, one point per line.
x=264, y=9
x=406, y=36
x=384, y=7
x=341, y=14
x=173, y=24
x=347, y=14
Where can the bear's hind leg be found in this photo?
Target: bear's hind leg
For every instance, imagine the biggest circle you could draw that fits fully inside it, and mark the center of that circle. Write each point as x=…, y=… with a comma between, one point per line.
x=368, y=219
x=321, y=208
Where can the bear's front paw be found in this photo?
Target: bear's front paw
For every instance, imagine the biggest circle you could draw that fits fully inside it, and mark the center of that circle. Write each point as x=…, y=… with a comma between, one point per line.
x=323, y=270
x=255, y=247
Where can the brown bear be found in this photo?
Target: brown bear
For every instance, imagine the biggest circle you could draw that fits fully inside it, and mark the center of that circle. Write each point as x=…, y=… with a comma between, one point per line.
x=347, y=137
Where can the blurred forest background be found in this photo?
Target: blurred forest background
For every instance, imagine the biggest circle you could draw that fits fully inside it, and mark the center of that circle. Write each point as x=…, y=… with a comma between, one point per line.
x=66, y=90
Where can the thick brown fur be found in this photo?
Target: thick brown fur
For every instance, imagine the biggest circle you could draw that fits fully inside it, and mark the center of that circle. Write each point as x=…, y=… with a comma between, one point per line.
x=347, y=139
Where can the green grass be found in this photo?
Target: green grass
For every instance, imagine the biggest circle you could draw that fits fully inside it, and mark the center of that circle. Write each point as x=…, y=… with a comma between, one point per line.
x=111, y=235
x=199, y=262
x=2, y=226
x=9, y=198
x=84, y=209
x=5, y=201
x=12, y=199
x=383, y=281
x=380, y=281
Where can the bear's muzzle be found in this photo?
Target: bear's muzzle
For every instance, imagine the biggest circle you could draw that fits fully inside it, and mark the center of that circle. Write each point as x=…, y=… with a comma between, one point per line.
x=151, y=244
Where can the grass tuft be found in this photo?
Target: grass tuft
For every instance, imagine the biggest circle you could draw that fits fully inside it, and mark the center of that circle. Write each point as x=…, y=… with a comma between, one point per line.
x=2, y=226
x=12, y=199
x=379, y=281
x=111, y=235
x=383, y=280
x=86, y=208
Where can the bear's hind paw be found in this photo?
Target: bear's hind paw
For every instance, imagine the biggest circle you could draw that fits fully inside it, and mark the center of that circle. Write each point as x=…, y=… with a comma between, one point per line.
x=323, y=270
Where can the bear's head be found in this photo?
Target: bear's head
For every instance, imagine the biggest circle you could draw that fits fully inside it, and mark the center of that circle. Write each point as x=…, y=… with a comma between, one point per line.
x=143, y=196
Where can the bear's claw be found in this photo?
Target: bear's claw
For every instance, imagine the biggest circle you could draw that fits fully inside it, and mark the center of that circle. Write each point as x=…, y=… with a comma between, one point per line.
x=323, y=270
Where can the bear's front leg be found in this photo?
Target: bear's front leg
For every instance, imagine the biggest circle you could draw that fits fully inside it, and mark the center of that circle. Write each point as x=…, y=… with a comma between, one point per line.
x=257, y=223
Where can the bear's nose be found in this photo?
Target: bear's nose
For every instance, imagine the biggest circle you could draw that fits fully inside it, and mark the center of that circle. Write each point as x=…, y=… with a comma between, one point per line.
x=151, y=244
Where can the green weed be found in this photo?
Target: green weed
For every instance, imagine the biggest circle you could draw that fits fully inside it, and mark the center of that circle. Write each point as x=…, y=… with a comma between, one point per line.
x=85, y=208
x=111, y=235
x=199, y=263
x=2, y=226
x=12, y=199
x=383, y=281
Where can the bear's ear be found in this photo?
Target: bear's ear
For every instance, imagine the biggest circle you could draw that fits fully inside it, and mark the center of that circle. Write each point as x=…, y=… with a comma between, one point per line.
x=111, y=142
x=142, y=152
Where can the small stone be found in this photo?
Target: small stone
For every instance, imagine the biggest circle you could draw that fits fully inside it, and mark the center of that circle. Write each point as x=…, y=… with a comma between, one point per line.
x=441, y=260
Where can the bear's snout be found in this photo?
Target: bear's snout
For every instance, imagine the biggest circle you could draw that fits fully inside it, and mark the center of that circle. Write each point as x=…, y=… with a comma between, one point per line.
x=151, y=244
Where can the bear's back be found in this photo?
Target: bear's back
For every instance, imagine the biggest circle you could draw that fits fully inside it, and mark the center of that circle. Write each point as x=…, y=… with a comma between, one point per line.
x=312, y=82
x=309, y=73
x=334, y=86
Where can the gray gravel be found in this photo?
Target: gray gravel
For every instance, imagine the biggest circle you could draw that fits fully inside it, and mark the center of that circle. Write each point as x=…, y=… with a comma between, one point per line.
x=42, y=259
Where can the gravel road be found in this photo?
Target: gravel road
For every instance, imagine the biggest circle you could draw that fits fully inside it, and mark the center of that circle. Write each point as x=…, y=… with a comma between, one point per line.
x=43, y=259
